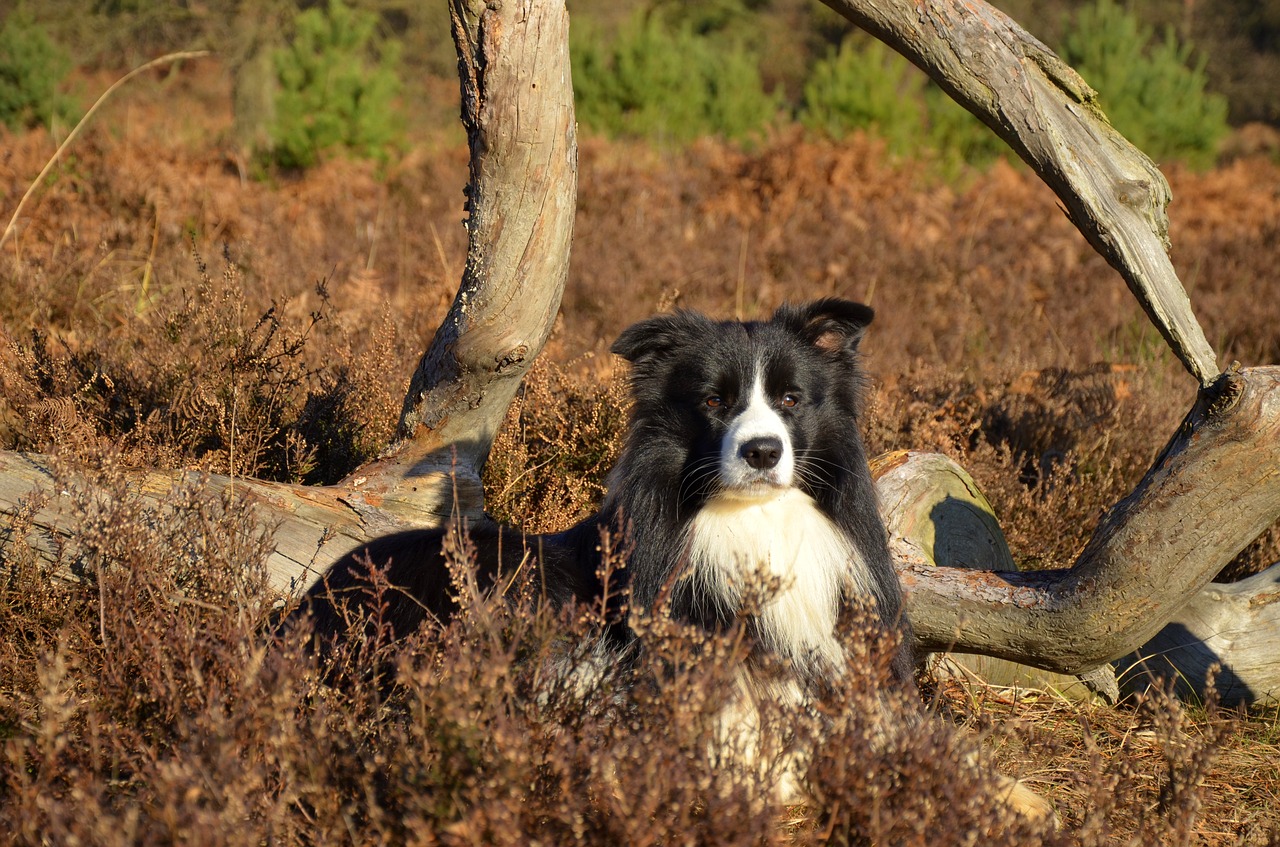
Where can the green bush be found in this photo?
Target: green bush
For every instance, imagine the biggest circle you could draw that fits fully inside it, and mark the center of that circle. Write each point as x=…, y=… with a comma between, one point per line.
x=338, y=80
x=865, y=85
x=1153, y=90
x=32, y=68
x=665, y=82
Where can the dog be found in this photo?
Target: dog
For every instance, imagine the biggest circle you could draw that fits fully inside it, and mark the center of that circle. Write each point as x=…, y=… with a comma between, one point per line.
x=742, y=464
x=742, y=459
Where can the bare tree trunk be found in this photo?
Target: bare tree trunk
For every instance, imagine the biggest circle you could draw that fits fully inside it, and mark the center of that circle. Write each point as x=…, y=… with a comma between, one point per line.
x=256, y=32
x=517, y=107
x=1017, y=86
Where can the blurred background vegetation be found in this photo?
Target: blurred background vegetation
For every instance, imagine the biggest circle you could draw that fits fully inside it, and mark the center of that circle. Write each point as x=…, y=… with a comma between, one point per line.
x=1173, y=75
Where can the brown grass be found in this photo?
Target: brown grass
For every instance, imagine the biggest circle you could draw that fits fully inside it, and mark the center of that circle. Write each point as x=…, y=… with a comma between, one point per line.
x=141, y=704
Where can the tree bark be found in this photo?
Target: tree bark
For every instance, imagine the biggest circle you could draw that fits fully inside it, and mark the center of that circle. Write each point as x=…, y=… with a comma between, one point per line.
x=517, y=107
x=935, y=513
x=937, y=516
x=1112, y=192
x=1215, y=487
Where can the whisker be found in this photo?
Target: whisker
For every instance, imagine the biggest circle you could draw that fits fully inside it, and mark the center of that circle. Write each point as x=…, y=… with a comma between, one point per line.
x=697, y=475
x=809, y=466
x=812, y=457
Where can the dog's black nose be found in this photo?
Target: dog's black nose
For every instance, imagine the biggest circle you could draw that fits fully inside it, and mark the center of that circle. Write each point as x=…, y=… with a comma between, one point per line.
x=762, y=453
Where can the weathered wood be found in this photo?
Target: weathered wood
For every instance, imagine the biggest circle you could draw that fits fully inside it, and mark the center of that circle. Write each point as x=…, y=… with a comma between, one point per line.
x=1113, y=193
x=312, y=526
x=517, y=107
x=1214, y=489
x=1232, y=628
x=935, y=513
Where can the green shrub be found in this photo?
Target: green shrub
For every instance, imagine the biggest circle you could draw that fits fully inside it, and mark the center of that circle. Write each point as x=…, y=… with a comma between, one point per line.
x=32, y=68
x=1153, y=90
x=866, y=85
x=664, y=82
x=338, y=79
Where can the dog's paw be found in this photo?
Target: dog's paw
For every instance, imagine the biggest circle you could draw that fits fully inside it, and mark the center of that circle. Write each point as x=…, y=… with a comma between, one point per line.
x=1026, y=802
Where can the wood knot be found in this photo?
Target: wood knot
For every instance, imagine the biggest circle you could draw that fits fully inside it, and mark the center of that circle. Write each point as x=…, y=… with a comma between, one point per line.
x=513, y=357
x=1221, y=396
x=1134, y=193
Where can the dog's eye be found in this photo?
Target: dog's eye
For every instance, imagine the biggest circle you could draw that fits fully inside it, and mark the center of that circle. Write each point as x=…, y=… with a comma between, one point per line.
x=715, y=401
x=790, y=401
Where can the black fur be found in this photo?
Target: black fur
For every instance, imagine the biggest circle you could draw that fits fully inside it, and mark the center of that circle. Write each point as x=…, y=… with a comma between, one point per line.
x=660, y=482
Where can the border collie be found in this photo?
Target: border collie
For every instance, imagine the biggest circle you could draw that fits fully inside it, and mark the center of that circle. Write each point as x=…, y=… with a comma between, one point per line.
x=744, y=460
x=743, y=464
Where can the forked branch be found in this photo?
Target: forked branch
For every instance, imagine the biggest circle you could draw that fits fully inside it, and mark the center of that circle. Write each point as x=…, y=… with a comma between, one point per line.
x=517, y=107
x=1214, y=489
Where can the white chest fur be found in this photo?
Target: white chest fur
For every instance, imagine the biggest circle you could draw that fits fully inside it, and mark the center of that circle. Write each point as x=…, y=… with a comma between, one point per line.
x=788, y=543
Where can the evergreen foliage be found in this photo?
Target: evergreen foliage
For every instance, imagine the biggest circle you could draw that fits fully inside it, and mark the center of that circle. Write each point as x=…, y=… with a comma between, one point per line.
x=664, y=81
x=864, y=85
x=338, y=80
x=32, y=68
x=1152, y=89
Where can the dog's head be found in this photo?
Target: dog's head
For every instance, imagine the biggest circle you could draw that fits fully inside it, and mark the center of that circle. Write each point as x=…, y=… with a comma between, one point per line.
x=747, y=409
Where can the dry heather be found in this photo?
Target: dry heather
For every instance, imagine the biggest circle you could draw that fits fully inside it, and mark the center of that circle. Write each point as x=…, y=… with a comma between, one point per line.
x=156, y=309
x=148, y=703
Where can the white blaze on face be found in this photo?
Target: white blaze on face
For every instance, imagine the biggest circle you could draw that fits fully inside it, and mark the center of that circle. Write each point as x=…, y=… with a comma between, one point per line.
x=758, y=420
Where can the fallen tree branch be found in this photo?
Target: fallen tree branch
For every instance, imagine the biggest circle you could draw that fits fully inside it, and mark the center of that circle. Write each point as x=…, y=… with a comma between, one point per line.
x=1226, y=632
x=312, y=526
x=935, y=514
x=1214, y=489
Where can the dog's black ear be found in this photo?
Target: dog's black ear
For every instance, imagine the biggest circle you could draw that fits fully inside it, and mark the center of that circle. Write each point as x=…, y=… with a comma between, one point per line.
x=832, y=325
x=655, y=336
